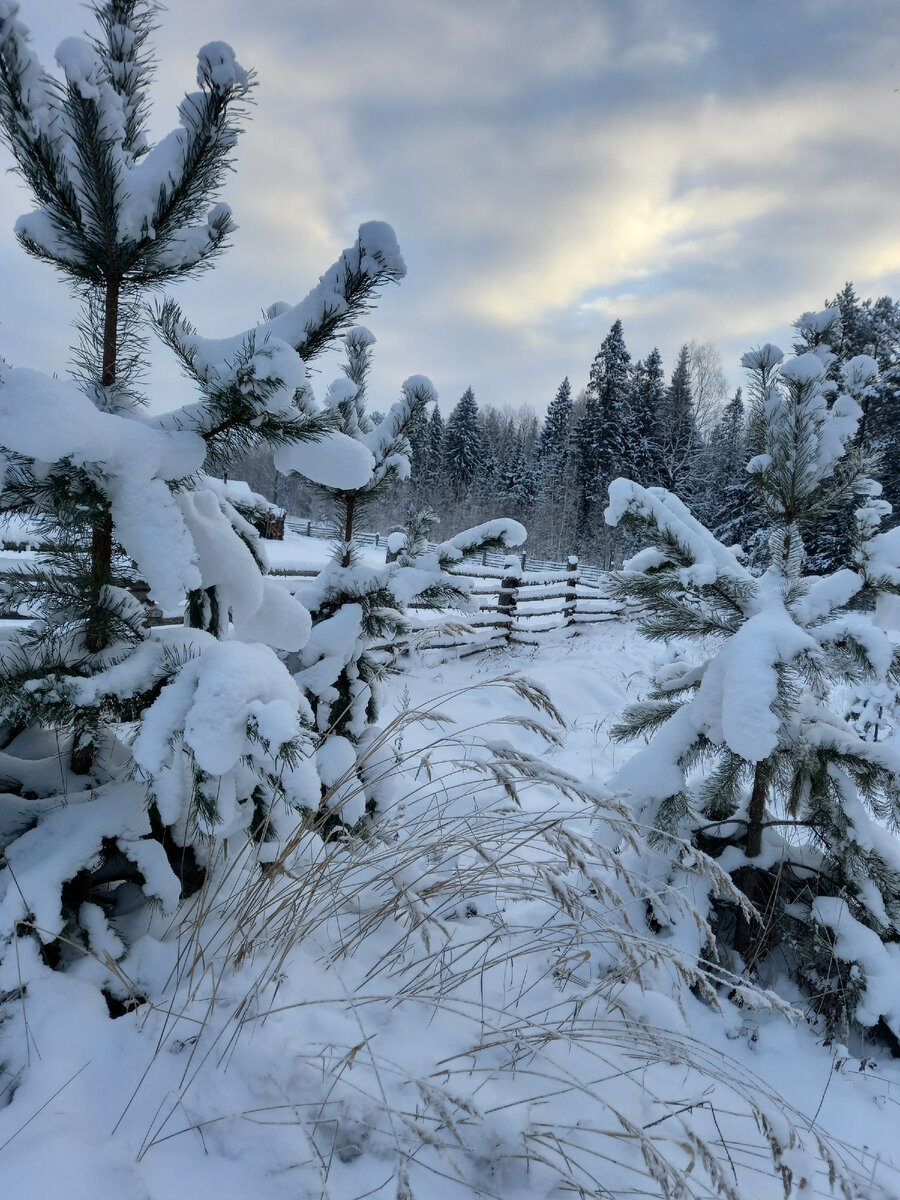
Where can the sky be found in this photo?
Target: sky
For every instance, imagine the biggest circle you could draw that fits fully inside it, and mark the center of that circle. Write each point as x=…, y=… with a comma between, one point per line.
x=702, y=169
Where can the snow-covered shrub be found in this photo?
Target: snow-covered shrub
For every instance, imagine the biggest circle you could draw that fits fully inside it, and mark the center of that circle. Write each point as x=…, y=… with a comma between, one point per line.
x=748, y=755
x=359, y=611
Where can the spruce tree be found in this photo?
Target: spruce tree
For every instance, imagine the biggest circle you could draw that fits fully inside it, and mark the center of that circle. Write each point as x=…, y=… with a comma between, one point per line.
x=434, y=459
x=553, y=458
x=609, y=380
x=728, y=510
x=747, y=757
x=462, y=445
x=493, y=461
x=554, y=448
x=874, y=328
x=644, y=416
x=830, y=541
x=678, y=432
x=599, y=446
x=880, y=427
x=854, y=325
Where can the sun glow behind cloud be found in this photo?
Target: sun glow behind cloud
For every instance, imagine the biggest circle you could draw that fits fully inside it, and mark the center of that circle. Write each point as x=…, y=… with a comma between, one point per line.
x=701, y=170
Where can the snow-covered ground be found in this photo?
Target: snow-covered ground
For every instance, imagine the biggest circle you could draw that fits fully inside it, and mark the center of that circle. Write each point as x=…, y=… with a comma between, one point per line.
x=423, y=1018
x=299, y=553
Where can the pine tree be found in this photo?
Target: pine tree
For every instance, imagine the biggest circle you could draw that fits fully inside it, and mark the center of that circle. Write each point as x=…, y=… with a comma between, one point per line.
x=114, y=218
x=418, y=444
x=462, y=445
x=359, y=611
x=599, y=446
x=353, y=606
x=644, y=408
x=678, y=432
x=167, y=770
x=746, y=743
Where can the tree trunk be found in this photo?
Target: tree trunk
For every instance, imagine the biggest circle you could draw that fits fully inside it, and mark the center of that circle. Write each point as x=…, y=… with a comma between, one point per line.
x=756, y=883
x=101, y=576
x=348, y=529
x=110, y=332
x=96, y=635
x=756, y=813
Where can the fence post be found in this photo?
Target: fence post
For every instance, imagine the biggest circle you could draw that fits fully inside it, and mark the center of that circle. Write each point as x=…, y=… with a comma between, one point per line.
x=309, y=528
x=506, y=600
x=571, y=590
x=153, y=614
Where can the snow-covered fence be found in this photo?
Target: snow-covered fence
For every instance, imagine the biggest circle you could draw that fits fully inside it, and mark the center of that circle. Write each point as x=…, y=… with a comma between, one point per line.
x=494, y=559
x=511, y=607
x=324, y=531
x=515, y=607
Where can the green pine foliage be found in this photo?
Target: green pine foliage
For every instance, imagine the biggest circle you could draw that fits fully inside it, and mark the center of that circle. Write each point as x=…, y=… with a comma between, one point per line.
x=124, y=769
x=747, y=757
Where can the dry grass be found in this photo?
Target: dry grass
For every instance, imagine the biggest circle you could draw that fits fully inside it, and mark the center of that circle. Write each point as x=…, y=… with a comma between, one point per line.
x=431, y=914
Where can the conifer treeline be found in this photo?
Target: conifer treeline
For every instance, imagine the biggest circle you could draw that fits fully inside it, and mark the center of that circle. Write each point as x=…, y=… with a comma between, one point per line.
x=679, y=430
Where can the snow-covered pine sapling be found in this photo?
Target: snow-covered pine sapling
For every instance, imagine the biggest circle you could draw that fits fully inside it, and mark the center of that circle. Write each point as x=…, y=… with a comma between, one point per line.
x=185, y=735
x=115, y=217
x=355, y=606
x=747, y=757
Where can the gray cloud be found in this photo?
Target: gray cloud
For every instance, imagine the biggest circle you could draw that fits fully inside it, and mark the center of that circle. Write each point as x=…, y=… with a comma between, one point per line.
x=701, y=168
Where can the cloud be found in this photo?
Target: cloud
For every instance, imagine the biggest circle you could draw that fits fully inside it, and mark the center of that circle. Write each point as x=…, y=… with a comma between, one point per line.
x=702, y=169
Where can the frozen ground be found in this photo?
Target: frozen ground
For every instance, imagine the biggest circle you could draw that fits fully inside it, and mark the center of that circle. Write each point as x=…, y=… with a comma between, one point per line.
x=428, y=1023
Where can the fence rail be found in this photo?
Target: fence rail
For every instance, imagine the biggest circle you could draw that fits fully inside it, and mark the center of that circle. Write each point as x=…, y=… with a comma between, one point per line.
x=491, y=558
x=507, y=609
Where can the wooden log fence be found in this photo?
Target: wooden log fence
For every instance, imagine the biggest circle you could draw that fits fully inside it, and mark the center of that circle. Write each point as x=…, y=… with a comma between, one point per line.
x=509, y=606
x=491, y=559
x=512, y=608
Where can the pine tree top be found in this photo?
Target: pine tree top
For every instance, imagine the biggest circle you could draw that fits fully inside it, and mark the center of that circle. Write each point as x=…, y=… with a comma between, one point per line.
x=109, y=206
